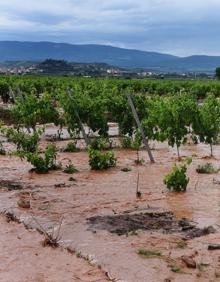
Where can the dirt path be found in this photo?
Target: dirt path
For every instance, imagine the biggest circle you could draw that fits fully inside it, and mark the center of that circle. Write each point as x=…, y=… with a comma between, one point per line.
x=24, y=259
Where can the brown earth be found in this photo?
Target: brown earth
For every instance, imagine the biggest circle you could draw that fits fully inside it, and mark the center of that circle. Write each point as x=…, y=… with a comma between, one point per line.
x=111, y=194
x=24, y=259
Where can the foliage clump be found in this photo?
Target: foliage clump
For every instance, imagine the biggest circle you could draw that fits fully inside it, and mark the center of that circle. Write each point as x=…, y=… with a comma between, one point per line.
x=181, y=245
x=149, y=253
x=24, y=142
x=170, y=119
x=126, y=142
x=70, y=168
x=43, y=163
x=70, y=148
x=100, y=143
x=99, y=160
x=207, y=122
x=206, y=168
x=136, y=145
x=125, y=169
x=177, y=180
x=2, y=150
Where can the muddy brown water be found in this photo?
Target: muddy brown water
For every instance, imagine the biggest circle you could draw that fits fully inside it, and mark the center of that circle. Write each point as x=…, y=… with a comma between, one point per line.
x=23, y=259
x=113, y=192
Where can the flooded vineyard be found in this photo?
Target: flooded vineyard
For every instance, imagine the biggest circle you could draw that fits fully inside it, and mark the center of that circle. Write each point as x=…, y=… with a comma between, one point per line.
x=104, y=231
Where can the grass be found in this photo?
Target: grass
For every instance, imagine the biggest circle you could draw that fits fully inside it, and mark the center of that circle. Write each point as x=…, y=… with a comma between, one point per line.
x=206, y=168
x=125, y=169
x=202, y=266
x=175, y=269
x=70, y=168
x=2, y=150
x=181, y=245
x=149, y=253
x=70, y=148
x=139, y=161
x=133, y=233
x=50, y=239
x=78, y=254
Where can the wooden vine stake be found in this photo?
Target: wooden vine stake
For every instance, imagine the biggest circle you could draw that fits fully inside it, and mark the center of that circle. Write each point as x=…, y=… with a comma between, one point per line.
x=137, y=120
x=11, y=93
x=18, y=92
x=77, y=115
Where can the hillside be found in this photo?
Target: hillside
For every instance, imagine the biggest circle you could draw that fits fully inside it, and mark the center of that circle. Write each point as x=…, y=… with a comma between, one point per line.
x=126, y=58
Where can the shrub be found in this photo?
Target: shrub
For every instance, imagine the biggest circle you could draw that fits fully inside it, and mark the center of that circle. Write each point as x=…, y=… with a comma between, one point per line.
x=99, y=160
x=70, y=168
x=44, y=163
x=125, y=169
x=2, y=150
x=206, y=125
x=126, y=142
x=24, y=142
x=206, y=168
x=6, y=116
x=70, y=147
x=136, y=145
x=98, y=143
x=139, y=161
x=27, y=148
x=181, y=245
x=50, y=156
x=177, y=180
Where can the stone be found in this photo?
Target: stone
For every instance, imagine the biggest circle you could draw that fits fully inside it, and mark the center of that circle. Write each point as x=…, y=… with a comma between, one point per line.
x=189, y=261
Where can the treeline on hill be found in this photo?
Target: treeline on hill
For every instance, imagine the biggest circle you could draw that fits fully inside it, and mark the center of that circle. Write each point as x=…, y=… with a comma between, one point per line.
x=61, y=67
x=171, y=115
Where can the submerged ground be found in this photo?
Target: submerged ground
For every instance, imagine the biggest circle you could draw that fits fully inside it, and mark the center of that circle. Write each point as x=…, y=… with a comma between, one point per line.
x=104, y=226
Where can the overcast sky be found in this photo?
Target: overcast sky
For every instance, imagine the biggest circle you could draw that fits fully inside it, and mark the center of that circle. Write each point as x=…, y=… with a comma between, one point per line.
x=179, y=27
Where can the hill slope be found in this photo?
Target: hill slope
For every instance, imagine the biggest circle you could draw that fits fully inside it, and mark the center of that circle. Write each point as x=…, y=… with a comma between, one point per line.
x=39, y=51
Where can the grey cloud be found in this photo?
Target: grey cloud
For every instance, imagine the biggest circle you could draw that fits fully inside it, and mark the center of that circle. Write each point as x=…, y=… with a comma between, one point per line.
x=178, y=27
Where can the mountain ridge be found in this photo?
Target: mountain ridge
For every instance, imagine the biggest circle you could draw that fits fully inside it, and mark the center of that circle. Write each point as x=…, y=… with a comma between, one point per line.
x=96, y=53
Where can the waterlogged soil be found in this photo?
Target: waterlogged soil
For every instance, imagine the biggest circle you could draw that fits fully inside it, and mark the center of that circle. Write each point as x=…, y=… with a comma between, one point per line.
x=102, y=219
x=24, y=259
x=165, y=222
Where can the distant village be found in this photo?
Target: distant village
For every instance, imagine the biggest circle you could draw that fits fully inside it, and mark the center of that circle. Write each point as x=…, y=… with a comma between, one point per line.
x=60, y=67
x=18, y=70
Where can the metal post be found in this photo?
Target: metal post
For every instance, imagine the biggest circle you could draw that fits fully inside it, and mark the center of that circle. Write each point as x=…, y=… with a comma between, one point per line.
x=145, y=141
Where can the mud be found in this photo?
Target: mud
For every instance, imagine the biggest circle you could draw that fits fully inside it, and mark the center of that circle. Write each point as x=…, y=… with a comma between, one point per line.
x=112, y=193
x=164, y=222
x=11, y=185
x=24, y=259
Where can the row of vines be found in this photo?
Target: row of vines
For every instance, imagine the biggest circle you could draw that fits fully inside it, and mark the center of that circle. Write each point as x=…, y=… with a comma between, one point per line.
x=174, y=117
x=164, y=118
x=96, y=86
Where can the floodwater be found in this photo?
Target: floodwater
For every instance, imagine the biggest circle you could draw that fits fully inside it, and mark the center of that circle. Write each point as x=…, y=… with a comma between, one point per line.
x=113, y=192
x=23, y=259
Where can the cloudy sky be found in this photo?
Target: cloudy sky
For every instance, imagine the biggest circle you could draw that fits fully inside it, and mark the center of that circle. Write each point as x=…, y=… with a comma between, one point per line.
x=179, y=27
